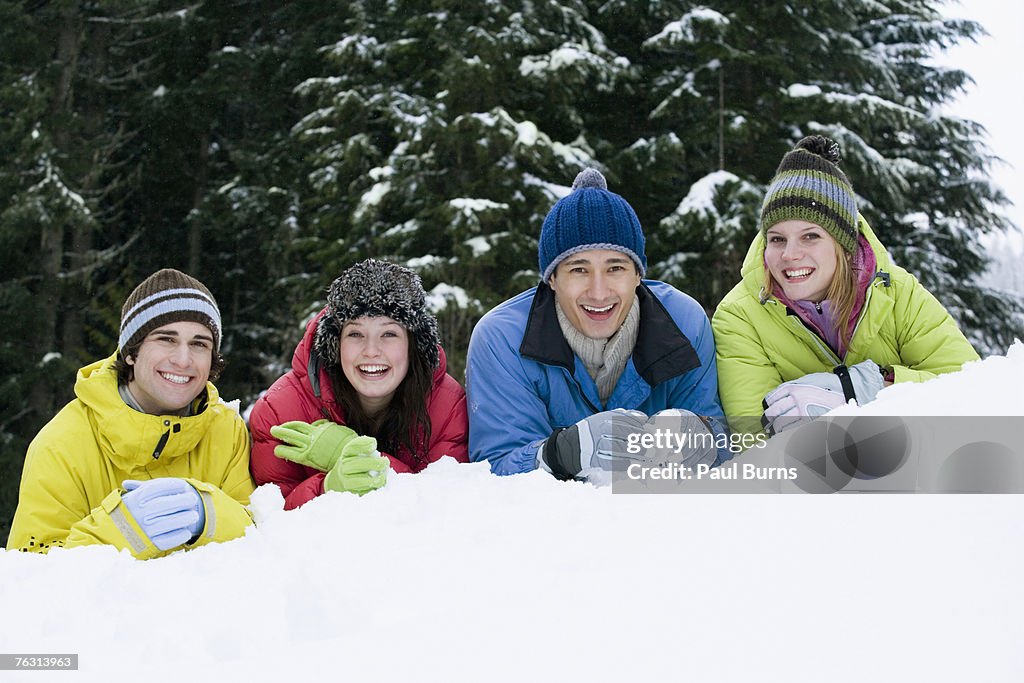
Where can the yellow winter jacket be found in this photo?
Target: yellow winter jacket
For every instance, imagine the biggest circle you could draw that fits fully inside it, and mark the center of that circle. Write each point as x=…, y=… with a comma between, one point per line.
x=759, y=346
x=71, y=491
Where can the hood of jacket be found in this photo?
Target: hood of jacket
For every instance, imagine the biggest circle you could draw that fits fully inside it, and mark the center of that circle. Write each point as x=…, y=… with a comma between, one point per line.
x=752, y=271
x=313, y=377
x=127, y=437
x=660, y=353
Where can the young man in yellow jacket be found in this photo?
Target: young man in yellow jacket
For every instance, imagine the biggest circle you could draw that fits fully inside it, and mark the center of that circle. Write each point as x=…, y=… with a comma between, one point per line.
x=147, y=457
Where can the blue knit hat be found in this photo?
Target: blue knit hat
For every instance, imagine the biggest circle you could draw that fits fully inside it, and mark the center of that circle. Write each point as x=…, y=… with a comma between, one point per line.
x=590, y=217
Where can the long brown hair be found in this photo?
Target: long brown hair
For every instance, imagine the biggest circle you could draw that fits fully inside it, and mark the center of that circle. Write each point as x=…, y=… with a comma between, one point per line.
x=842, y=291
x=404, y=422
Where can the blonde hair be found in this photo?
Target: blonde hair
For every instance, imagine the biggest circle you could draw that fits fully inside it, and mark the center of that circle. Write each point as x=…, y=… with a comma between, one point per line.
x=842, y=291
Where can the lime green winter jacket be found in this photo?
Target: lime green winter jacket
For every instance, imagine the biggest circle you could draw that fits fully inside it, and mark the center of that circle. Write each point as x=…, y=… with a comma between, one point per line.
x=71, y=491
x=759, y=346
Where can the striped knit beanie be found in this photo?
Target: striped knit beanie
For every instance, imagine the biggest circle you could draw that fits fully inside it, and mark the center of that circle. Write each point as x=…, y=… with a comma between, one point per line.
x=590, y=217
x=809, y=186
x=167, y=296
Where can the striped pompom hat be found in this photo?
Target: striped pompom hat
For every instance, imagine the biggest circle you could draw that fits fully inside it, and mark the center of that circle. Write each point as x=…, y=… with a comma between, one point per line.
x=167, y=296
x=809, y=186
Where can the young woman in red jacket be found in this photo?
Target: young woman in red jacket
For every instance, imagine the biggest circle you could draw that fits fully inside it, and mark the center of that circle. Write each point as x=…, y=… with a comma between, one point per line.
x=367, y=392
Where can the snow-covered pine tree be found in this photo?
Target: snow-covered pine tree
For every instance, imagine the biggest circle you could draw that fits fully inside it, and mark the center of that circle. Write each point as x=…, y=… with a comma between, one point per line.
x=440, y=134
x=749, y=79
x=683, y=162
x=219, y=168
x=63, y=187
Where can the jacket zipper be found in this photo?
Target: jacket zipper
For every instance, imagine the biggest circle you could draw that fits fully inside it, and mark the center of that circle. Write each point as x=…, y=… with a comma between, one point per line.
x=164, y=437
x=863, y=312
x=584, y=395
x=828, y=353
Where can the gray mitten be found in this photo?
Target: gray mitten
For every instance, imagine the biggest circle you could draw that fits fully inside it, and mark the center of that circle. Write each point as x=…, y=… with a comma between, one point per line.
x=599, y=441
x=679, y=436
x=865, y=380
x=817, y=393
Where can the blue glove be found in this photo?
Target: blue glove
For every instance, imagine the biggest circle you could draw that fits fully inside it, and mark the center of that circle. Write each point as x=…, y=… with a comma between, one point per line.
x=597, y=442
x=169, y=510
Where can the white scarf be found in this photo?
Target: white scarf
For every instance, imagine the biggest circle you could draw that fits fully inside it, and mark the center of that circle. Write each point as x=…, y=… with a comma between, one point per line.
x=604, y=359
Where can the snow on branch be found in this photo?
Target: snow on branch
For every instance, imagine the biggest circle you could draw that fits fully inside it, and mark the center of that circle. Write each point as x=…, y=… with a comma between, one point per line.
x=683, y=31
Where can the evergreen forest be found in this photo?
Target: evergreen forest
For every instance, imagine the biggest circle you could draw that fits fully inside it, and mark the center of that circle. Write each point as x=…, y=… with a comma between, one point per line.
x=263, y=147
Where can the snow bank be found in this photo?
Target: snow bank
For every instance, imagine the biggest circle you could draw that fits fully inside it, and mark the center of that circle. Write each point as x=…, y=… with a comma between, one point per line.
x=458, y=575
x=990, y=387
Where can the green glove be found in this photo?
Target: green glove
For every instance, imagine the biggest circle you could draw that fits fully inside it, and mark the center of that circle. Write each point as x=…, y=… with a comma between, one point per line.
x=360, y=469
x=316, y=445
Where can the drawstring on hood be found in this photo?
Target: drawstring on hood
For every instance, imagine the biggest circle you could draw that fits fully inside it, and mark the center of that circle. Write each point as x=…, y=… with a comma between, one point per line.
x=126, y=432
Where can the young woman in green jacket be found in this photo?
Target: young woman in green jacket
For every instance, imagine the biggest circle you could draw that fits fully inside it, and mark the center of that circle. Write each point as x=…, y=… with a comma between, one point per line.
x=822, y=314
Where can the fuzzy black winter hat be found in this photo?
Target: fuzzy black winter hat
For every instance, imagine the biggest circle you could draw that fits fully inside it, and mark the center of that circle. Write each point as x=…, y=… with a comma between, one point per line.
x=375, y=288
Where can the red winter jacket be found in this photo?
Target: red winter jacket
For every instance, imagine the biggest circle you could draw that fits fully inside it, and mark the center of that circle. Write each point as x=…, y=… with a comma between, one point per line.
x=293, y=397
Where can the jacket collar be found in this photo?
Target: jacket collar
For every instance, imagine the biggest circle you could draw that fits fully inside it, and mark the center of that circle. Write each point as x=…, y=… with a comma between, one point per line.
x=662, y=351
x=752, y=270
x=127, y=437
x=311, y=374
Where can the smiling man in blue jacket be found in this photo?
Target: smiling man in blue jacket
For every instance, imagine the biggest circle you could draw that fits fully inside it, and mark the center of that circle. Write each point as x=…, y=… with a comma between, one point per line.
x=566, y=375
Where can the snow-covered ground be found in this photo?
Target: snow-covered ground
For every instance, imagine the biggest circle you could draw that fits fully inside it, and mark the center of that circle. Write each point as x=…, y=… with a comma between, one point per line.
x=991, y=387
x=458, y=575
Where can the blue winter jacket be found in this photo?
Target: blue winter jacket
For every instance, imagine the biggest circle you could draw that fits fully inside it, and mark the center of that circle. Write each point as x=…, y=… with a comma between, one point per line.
x=523, y=380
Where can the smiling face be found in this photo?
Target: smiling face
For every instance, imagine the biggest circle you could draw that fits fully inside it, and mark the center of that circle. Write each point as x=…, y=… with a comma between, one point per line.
x=374, y=355
x=801, y=256
x=171, y=367
x=595, y=289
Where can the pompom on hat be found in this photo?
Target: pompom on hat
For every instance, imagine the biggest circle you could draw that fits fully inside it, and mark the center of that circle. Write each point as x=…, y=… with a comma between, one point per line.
x=590, y=217
x=377, y=288
x=167, y=296
x=809, y=186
